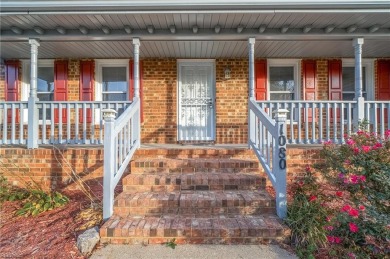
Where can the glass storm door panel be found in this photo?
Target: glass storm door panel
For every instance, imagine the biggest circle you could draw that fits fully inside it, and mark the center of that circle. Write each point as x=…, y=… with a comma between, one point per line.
x=196, y=102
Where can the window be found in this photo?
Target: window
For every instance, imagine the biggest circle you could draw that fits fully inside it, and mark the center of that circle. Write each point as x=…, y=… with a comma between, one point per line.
x=45, y=87
x=114, y=83
x=348, y=79
x=45, y=84
x=349, y=83
x=282, y=80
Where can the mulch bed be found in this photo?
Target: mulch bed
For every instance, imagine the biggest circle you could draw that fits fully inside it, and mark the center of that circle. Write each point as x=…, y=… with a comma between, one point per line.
x=52, y=234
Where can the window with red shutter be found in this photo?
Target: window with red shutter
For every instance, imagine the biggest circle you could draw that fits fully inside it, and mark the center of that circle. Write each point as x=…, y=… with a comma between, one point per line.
x=383, y=68
x=309, y=84
x=12, y=85
x=86, y=87
x=60, y=87
x=261, y=80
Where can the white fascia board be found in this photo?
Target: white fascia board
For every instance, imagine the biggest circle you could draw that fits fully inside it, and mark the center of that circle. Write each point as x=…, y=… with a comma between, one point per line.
x=45, y=5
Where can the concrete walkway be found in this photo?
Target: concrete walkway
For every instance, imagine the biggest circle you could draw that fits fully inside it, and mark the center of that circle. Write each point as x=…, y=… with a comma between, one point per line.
x=192, y=252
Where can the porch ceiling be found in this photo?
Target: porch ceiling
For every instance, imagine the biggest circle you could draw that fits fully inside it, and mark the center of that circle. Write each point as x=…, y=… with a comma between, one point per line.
x=196, y=49
x=196, y=30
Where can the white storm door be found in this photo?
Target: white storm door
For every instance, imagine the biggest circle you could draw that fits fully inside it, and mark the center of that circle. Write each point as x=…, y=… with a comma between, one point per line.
x=196, y=101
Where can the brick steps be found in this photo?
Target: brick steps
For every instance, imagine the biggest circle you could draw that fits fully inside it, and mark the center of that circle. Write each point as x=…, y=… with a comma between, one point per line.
x=192, y=181
x=191, y=165
x=210, y=230
x=195, y=195
x=194, y=203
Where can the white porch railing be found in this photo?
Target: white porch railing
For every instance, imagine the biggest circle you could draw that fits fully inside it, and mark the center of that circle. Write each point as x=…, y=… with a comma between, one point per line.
x=311, y=122
x=378, y=116
x=121, y=139
x=268, y=141
x=13, y=130
x=59, y=122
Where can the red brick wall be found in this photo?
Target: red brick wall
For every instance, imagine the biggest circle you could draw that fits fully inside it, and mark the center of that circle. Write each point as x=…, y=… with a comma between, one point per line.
x=159, y=103
x=48, y=167
x=232, y=101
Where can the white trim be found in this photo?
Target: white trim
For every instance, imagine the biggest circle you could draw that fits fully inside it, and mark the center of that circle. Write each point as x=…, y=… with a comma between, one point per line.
x=369, y=65
x=197, y=62
x=99, y=64
x=295, y=63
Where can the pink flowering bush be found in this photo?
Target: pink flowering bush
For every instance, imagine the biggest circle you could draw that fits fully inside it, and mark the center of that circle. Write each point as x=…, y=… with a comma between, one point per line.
x=355, y=195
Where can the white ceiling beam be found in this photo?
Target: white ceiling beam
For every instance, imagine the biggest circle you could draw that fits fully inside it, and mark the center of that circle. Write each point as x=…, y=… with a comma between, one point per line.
x=82, y=34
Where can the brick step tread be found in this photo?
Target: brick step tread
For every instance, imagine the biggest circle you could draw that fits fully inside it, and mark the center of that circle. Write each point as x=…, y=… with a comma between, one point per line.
x=200, y=152
x=243, y=229
x=195, y=203
x=199, y=162
x=194, y=181
x=191, y=165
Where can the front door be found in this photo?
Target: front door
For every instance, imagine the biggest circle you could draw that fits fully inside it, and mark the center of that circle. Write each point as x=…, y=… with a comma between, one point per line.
x=196, y=99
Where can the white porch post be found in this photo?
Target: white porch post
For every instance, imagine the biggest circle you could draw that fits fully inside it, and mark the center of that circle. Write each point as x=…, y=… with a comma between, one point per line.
x=137, y=122
x=359, y=111
x=251, y=115
x=136, y=44
x=251, y=47
x=32, y=138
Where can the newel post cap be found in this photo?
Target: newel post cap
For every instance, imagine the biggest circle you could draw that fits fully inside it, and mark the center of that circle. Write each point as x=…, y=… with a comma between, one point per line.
x=109, y=114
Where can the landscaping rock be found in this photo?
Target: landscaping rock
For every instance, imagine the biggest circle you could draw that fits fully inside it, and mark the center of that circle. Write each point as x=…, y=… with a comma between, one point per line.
x=87, y=240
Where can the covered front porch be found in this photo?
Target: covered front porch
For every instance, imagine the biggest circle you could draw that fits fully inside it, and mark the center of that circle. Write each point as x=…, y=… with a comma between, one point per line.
x=263, y=76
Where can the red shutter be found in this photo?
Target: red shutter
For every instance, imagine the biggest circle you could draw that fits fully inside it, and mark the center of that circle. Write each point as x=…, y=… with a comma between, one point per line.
x=86, y=86
x=309, y=83
x=60, y=86
x=383, y=68
x=335, y=80
x=131, y=86
x=383, y=80
x=335, y=83
x=261, y=80
x=12, y=85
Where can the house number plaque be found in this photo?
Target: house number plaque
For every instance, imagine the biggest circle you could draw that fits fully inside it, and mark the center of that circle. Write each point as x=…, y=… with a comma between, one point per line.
x=282, y=150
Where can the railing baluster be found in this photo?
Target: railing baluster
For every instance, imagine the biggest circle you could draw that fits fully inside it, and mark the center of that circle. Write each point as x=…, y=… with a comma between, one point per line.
x=44, y=140
x=93, y=124
x=313, y=122
x=68, y=126
x=13, y=122
x=52, y=132
x=292, y=113
x=375, y=116
x=21, y=121
x=299, y=123
x=382, y=114
x=5, y=118
x=342, y=123
x=60, y=123
x=320, y=124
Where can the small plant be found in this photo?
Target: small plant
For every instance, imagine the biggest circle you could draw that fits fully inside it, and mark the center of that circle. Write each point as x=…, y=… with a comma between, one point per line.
x=39, y=201
x=10, y=193
x=307, y=216
x=172, y=243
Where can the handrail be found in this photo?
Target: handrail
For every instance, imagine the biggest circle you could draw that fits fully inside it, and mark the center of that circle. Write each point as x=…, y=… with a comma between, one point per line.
x=267, y=139
x=121, y=140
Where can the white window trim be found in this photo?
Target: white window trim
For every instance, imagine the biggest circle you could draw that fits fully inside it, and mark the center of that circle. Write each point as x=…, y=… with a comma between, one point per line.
x=282, y=63
x=99, y=64
x=26, y=77
x=369, y=65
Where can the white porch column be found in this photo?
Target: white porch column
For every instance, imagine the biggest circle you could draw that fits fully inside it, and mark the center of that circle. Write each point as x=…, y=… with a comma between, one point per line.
x=32, y=138
x=251, y=47
x=136, y=44
x=359, y=112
